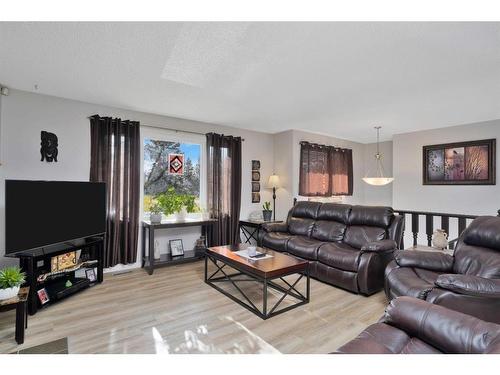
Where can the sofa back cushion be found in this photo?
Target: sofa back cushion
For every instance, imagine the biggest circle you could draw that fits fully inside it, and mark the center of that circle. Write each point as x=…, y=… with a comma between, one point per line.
x=478, y=250
x=334, y=212
x=373, y=216
x=367, y=224
x=331, y=222
x=359, y=235
x=302, y=218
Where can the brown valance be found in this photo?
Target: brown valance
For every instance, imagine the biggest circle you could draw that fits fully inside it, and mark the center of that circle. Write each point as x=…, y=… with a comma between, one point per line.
x=325, y=170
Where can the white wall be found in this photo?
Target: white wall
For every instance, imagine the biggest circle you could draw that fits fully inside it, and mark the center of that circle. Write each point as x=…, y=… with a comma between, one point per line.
x=410, y=194
x=25, y=114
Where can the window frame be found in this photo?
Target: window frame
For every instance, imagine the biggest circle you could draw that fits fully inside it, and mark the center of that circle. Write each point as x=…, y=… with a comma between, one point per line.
x=148, y=132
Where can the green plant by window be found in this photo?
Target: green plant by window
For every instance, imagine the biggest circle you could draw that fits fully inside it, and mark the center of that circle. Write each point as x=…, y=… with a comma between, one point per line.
x=267, y=206
x=171, y=202
x=11, y=277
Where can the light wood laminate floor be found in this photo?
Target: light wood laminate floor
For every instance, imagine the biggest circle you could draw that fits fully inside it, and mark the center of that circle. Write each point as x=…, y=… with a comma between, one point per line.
x=174, y=311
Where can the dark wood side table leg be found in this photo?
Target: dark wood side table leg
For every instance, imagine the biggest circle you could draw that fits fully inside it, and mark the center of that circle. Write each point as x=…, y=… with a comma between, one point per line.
x=151, y=250
x=143, y=247
x=20, y=322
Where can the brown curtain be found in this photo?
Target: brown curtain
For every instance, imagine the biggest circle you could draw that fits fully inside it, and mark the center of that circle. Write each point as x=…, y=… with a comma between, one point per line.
x=341, y=180
x=224, y=188
x=314, y=170
x=115, y=152
x=325, y=170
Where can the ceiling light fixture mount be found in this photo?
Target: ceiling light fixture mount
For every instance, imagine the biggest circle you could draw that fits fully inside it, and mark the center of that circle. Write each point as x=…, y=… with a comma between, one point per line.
x=378, y=178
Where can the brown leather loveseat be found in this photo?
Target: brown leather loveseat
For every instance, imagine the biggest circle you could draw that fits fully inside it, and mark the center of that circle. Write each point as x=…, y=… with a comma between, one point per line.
x=468, y=281
x=413, y=326
x=347, y=246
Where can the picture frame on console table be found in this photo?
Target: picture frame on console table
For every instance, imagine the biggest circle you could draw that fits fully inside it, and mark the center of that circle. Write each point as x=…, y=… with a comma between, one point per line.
x=460, y=163
x=176, y=247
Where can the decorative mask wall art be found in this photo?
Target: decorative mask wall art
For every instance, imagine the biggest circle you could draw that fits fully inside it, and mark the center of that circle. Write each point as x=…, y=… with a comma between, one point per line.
x=48, y=148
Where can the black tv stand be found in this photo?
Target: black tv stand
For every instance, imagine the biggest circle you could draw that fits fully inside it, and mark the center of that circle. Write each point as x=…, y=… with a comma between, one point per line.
x=36, y=263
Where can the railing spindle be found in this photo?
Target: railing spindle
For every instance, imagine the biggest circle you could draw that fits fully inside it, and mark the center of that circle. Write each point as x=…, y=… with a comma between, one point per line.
x=429, y=228
x=462, y=223
x=414, y=227
x=445, y=224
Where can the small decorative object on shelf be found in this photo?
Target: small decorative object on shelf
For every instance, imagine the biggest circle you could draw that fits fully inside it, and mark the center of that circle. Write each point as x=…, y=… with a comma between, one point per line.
x=157, y=253
x=90, y=273
x=267, y=212
x=176, y=247
x=61, y=262
x=200, y=243
x=43, y=296
x=440, y=239
x=11, y=279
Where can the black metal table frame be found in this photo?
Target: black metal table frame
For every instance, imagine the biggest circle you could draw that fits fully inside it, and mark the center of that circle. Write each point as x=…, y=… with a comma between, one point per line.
x=266, y=312
x=250, y=234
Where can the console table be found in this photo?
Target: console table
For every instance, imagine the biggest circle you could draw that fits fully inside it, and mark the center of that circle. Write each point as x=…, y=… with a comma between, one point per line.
x=19, y=303
x=148, y=234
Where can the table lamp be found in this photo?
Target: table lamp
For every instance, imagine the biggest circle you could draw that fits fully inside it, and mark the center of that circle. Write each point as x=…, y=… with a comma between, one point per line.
x=274, y=182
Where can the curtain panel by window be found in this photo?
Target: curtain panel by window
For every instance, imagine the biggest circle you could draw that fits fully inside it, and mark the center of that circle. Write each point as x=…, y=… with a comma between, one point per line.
x=224, y=188
x=325, y=170
x=115, y=160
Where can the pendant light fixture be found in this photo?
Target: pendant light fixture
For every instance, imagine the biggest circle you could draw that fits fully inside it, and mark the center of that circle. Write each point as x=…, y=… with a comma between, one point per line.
x=378, y=178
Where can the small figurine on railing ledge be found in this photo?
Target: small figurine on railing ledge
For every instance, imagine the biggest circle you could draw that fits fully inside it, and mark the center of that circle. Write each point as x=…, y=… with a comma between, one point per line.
x=440, y=239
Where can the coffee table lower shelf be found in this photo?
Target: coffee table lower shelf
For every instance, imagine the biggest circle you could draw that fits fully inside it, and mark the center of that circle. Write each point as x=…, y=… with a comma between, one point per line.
x=233, y=278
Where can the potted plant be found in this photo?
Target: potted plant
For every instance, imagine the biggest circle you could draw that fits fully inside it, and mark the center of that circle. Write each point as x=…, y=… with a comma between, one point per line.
x=267, y=212
x=178, y=204
x=155, y=213
x=11, y=279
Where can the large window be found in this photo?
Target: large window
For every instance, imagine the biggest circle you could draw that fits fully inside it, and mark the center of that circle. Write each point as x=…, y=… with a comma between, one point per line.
x=172, y=164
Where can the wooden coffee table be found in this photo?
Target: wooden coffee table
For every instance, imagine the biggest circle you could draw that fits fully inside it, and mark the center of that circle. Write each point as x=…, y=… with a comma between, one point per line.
x=264, y=271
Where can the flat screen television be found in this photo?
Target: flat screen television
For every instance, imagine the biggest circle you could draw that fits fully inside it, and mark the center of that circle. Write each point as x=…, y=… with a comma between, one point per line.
x=43, y=213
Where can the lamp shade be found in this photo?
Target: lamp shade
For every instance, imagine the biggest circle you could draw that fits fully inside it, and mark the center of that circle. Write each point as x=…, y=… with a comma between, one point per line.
x=274, y=181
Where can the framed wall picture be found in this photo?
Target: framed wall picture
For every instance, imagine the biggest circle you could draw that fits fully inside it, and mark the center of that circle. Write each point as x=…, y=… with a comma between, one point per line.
x=460, y=163
x=176, y=247
x=255, y=187
x=255, y=165
x=255, y=176
x=255, y=197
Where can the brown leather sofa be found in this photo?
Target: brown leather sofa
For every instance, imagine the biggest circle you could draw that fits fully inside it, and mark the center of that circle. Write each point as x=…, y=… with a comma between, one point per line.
x=468, y=281
x=347, y=246
x=413, y=326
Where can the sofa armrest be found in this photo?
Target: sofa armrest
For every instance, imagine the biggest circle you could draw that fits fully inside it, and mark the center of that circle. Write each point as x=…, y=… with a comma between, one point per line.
x=470, y=285
x=448, y=330
x=430, y=260
x=275, y=227
x=379, y=246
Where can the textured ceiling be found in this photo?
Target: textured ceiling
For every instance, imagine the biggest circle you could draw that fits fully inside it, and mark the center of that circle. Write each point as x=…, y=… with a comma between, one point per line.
x=339, y=79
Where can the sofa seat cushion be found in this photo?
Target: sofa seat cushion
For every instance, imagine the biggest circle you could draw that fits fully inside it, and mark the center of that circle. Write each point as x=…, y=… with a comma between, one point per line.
x=359, y=235
x=276, y=240
x=409, y=281
x=304, y=247
x=381, y=338
x=339, y=255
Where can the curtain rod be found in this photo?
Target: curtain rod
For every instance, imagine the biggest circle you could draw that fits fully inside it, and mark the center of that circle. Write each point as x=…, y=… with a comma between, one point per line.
x=177, y=130
x=172, y=129
x=322, y=146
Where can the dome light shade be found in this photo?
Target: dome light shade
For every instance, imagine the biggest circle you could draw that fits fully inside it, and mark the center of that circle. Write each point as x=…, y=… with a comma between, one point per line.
x=378, y=181
x=378, y=178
